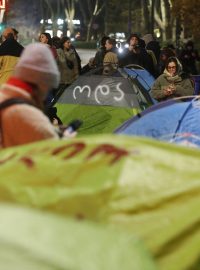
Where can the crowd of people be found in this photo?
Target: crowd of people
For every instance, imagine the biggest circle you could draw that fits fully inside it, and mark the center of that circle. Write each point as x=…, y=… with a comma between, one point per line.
x=34, y=76
x=172, y=69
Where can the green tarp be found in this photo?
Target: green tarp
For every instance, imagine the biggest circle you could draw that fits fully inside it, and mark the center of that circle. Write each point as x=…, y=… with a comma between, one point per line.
x=34, y=240
x=146, y=188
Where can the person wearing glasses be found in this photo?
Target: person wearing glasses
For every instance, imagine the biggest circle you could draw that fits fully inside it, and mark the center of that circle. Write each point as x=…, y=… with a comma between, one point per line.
x=173, y=82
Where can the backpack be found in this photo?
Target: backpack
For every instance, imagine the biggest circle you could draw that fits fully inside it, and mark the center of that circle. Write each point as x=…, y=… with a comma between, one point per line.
x=11, y=101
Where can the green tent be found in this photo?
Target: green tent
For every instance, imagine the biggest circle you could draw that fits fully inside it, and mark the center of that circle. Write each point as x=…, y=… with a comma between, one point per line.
x=35, y=240
x=102, y=102
x=144, y=187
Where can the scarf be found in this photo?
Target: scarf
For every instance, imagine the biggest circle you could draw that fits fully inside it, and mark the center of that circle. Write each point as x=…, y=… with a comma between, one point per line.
x=27, y=87
x=172, y=79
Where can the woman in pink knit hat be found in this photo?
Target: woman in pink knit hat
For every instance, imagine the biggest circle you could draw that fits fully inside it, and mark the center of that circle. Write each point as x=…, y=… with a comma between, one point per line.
x=35, y=74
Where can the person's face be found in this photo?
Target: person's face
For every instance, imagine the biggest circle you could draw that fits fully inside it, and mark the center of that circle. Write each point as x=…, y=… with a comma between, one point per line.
x=43, y=39
x=171, y=68
x=67, y=44
x=133, y=41
x=108, y=46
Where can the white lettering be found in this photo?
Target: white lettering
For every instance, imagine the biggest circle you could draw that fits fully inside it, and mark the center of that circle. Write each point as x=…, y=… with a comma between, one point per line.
x=103, y=90
x=81, y=89
x=100, y=88
x=120, y=91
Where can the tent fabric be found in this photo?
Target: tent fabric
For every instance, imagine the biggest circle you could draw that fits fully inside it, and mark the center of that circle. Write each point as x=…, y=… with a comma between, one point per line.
x=171, y=121
x=37, y=240
x=93, y=94
x=147, y=188
x=96, y=119
x=101, y=90
x=142, y=75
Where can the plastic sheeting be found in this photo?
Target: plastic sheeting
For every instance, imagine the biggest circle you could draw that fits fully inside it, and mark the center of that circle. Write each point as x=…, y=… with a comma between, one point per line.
x=35, y=240
x=146, y=188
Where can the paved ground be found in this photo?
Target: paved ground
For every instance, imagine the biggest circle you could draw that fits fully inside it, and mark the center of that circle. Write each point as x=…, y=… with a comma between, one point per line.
x=85, y=55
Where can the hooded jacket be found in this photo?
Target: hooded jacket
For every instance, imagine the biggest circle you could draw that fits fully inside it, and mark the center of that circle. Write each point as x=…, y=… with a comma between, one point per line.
x=181, y=81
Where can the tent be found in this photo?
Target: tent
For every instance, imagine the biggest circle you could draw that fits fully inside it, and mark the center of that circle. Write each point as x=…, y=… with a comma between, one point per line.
x=148, y=189
x=142, y=75
x=173, y=121
x=102, y=102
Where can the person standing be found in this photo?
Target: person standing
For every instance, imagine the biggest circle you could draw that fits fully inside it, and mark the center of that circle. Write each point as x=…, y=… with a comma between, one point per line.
x=110, y=60
x=10, y=51
x=173, y=82
x=67, y=64
x=136, y=54
x=45, y=38
x=100, y=54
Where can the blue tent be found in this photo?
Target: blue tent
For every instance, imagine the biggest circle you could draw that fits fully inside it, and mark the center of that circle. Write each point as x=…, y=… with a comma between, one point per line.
x=172, y=121
x=141, y=74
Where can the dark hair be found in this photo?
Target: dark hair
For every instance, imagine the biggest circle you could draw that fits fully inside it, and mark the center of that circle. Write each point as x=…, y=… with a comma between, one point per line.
x=111, y=41
x=48, y=36
x=56, y=41
x=63, y=40
x=103, y=40
x=141, y=43
x=132, y=35
x=170, y=60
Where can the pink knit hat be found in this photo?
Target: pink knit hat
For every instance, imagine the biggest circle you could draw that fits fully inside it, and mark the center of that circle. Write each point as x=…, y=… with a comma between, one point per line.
x=38, y=66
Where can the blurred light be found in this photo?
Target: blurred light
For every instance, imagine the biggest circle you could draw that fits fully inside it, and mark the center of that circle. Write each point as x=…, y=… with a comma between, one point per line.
x=157, y=32
x=2, y=4
x=50, y=32
x=60, y=21
x=75, y=21
x=59, y=33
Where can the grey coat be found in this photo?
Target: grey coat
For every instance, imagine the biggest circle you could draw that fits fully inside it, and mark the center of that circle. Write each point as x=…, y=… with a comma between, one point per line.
x=68, y=66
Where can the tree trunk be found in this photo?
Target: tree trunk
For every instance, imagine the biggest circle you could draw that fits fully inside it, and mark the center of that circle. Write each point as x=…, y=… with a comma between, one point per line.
x=145, y=16
x=89, y=28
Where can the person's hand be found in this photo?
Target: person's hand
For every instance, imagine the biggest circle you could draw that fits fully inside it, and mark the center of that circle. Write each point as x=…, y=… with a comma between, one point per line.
x=131, y=47
x=169, y=90
x=67, y=134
